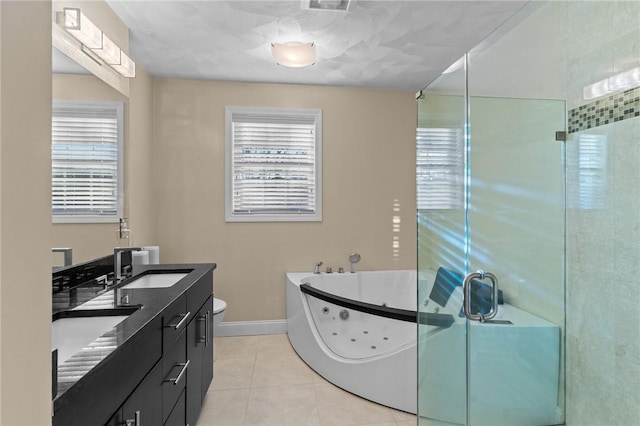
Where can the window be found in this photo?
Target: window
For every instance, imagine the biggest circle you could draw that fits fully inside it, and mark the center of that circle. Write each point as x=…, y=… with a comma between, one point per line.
x=587, y=171
x=273, y=164
x=439, y=168
x=86, y=152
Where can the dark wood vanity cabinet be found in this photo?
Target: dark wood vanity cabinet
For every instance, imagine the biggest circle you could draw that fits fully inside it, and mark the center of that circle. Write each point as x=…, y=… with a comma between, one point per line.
x=173, y=391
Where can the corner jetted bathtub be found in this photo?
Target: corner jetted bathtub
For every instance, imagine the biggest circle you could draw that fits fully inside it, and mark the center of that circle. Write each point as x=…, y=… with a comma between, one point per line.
x=358, y=331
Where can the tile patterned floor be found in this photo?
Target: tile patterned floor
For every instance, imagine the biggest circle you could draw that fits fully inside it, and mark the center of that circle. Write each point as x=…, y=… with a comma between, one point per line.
x=260, y=380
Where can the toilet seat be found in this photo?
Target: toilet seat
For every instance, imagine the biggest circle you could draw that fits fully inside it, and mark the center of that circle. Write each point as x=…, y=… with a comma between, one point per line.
x=218, y=305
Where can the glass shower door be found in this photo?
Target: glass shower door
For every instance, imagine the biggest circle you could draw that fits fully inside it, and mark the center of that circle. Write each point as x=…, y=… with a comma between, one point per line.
x=442, y=250
x=491, y=257
x=514, y=292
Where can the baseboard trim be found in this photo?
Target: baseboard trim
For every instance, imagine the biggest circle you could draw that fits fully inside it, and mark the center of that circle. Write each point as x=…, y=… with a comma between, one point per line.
x=250, y=328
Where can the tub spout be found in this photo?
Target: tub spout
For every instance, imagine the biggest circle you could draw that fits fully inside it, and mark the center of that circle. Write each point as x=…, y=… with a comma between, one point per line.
x=353, y=259
x=317, y=269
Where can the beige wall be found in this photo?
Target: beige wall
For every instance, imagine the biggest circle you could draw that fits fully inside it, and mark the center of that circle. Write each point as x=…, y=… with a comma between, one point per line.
x=368, y=166
x=25, y=218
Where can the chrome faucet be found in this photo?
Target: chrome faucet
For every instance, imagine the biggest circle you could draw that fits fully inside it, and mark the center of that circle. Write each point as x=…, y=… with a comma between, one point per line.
x=317, y=269
x=353, y=259
x=117, y=263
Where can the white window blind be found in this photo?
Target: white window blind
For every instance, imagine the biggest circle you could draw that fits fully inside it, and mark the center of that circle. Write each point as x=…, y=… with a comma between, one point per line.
x=86, y=156
x=439, y=168
x=587, y=170
x=273, y=164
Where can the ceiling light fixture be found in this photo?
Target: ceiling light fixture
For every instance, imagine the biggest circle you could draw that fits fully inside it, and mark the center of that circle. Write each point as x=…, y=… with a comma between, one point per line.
x=617, y=83
x=91, y=37
x=294, y=54
x=334, y=5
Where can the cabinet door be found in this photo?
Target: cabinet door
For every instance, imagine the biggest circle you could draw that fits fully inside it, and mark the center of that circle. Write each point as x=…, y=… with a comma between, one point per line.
x=196, y=340
x=207, y=349
x=144, y=405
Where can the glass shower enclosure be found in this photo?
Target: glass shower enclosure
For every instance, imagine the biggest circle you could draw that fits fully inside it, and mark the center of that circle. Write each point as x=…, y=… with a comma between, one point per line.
x=491, y=256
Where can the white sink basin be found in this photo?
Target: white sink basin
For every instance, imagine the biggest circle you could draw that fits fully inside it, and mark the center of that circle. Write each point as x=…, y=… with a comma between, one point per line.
x=71, y=335
x=156, y=280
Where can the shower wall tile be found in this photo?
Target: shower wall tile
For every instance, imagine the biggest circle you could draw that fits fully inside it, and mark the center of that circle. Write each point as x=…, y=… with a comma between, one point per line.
x=603, y=244
x=603, y=296
x=610, y=109
x=602, y=40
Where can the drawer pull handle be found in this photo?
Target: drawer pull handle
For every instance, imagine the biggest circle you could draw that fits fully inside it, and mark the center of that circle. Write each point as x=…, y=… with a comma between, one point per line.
x=182, y=321
x=184, y=368
x=207, y=331
x=202, y=338
x=135, y=421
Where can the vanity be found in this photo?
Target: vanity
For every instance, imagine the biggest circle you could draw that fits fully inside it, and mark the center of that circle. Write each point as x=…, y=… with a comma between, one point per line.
x=138, y=353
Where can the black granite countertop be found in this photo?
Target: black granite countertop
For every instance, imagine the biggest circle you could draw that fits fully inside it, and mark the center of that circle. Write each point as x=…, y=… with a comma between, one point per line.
x=82, y=370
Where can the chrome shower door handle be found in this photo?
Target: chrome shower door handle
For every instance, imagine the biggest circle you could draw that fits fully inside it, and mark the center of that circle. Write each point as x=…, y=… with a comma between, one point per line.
x=466, y=286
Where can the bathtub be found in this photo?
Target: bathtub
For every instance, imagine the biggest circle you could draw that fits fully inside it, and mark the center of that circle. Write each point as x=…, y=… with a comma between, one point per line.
x=359, y=332
x=367, y=343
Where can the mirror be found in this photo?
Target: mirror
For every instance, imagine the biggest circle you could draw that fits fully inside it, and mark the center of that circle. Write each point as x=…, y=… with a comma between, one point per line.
x=78, y=77
x=62, y=64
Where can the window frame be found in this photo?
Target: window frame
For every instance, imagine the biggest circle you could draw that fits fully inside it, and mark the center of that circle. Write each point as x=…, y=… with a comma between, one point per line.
x=230, y=214
x=118, y=107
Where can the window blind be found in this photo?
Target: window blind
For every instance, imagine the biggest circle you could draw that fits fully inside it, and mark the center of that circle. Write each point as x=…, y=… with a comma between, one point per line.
x=439, y=168
x=274, y=164
x=85, y=156
x=587, y=168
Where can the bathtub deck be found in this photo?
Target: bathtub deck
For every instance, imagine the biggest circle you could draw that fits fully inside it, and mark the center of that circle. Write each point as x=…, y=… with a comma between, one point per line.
x=260, y=380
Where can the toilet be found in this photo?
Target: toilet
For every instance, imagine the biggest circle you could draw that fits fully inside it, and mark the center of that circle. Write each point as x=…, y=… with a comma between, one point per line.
x=219, y=307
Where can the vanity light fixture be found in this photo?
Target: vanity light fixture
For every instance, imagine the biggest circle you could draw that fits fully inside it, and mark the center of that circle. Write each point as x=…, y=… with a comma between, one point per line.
x=79, y=26
x=126, y=67
x=109, y=52
x=91, y=37
x=617, y=83
x=294, y=54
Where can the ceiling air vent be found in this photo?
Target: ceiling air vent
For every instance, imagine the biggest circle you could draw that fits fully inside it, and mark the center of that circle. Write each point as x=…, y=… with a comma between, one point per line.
x=341, y=5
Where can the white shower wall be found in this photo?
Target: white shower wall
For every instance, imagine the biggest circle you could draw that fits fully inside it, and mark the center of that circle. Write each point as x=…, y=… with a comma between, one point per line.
x=603, y=237
x=553, y=53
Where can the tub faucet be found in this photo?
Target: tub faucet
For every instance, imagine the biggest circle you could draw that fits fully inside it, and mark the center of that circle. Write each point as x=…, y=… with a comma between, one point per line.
x=353, y=259
x=317, y=269
x=117, y=263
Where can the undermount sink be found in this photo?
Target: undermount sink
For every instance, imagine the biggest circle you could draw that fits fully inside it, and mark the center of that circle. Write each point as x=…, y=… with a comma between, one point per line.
x=157, y=280
x=70, y=335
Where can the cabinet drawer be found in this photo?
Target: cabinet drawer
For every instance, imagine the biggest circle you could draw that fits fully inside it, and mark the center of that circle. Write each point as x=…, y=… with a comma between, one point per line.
x=199, y=292
x=174, y=367
x=144, y=405
x=174, y=321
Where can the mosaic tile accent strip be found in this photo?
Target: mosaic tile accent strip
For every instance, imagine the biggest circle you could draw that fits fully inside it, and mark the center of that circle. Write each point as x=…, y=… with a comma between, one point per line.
x=620, y=106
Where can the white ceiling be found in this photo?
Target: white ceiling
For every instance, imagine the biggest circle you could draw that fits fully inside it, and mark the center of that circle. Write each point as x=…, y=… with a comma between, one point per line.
x=379, y=43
